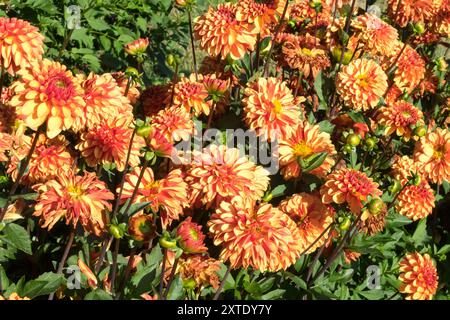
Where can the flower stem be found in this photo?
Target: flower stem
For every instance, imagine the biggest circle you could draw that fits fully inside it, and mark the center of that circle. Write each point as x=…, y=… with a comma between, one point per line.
x=127, y=273
x=66, y=41
x=163, y=270
x=22, y=169
x=64, y=258
x=192, y=44
x=169, y=283
x=222, y=284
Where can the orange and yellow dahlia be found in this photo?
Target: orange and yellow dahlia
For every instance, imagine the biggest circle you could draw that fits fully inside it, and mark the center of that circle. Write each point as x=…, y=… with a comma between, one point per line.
x=257, y=236
x=361, y=84
x=190, y=237
x=174, y=123
x=6, y=142
x=20, y=44
x=433, y=153
x=137, y=47
x=419, y=277
x=350, y=186
x=191, y=95
x=262, y=14
x=270, y=107
x=416, y=202
x=305, y=141
x=48, y=93
x=221, y=33
x=404, y=11
x=83, y=199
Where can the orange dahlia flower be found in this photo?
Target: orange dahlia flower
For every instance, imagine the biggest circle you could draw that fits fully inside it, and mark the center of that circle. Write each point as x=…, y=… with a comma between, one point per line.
x=305, y=141
x=350, y=186
x=199, y=267
x=220, y=173
x=305, y=54
x=416, y=202
x=400, y=117
x=311, y=216
x=104, y=99
x=221, y=33
x=262, y=14
x=174, y=123
x=377, y=36
x=20, y=44
x=142, y=227
x=270, y=107
x=405, y=11
x=13, y=296
x=49, y=156
x=108, y=143
x=190, y=237
x=169, y=193
x=6, y=141
x=191, y=95
x=361, y=84
x=433, y=153
x=137, y=47
x=410, y=67
x=154, y=99
x=419, y=277
x=257, y=236
x=161, y=145
x=77, y=198
x=440, y=22
x=48, y=93
x=8, y=114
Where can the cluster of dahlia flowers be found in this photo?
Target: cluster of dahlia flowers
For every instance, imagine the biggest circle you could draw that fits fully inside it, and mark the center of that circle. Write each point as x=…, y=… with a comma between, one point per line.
x=344, y=95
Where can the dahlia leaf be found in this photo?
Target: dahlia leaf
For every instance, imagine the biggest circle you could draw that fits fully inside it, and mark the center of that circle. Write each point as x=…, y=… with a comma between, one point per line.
x=273, y=295
x=98, y=294
x=314, y=161
x=420, y=236
x=176, y=291
x=45, y=284
x=17, y=237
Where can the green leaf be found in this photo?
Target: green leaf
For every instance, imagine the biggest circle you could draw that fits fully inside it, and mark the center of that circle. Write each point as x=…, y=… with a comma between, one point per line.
x=326, y=126
x=17, y=237
x=420, y=236
x=376, y=294
x=45, y=284
x=98, y=24
x=176, y=291
x=229, y=283
x=357, y=117
x=279, y=190
x=134, y=208
x=273, y=295
x=395, y=220
x=98, y=294
x=4, y=278
x=313, y=162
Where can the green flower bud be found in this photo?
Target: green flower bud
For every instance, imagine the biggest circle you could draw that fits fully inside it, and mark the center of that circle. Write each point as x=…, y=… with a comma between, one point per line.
x=353, y=139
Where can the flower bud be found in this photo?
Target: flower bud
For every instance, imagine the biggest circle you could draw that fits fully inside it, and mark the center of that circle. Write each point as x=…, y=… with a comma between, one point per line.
x=353, y=139
x=375, y=206
x=167, y=243
x=191, y=238
x=137, y=47
x=370, y=143
x=116, y=231
x=395, y=187
x=336, y=52
x=345, y=224
x=144, y=131
x=189, y=284
x=141, y=227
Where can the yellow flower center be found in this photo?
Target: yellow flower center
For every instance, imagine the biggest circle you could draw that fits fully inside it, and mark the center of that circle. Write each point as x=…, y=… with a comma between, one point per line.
x=406, y=115
x=301, y=149
x=75, y=192
x=439, y=152
x=154, y=186
x=362, y=80
x=277, y=106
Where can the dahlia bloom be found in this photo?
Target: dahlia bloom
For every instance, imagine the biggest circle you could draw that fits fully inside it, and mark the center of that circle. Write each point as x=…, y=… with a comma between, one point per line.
x=174, y=123
x=20, y=44
x=104, y=99
x=305, y=54
x=377, y=36
x=108, y=143
x=48, y=93
x=410, y=67
x=220, y=173
x=190, y=237
x=137, y=47
x=400, y=117
x=416, y=202
x=257, y=236
x=49, y=156
x=305, y=141
x=201, y=268
x=8, y=114
x=160, y=144
x=77, y=198
x=361, y=84
x=270, y=107
x=169, y=193
x=311, y=216
x=133, y=90
x=6, y=141
x=440, y=22
x=350, y=186
x=433, y=153
x=374, y=222
x=306, y=16
x=154, y=99
x=191, y=95
x=262, y=14
x=221, y=33
x=405, y=11
x=419, y=277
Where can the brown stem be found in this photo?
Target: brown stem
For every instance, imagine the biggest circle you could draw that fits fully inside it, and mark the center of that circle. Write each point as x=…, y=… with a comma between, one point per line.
x=163, y=270
x=127, y=273
x=192, y=44
x=169, y=283
x=64, y=258
x=222, y=284
x=114, y=265
x=317, y=239
x=101, y=258
x=65, y=43
x=277, y=30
